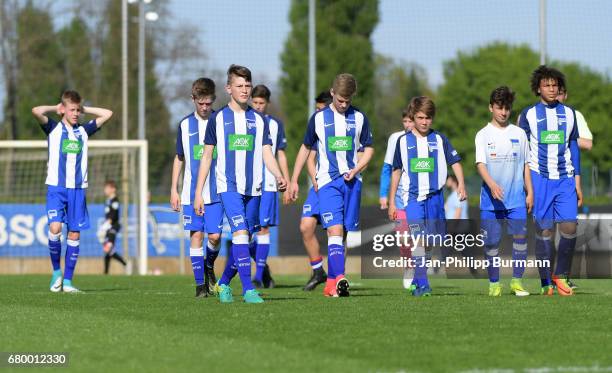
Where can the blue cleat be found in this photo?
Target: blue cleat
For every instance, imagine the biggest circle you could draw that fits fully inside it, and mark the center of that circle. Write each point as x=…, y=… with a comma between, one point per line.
x=56, y=282
x=225, y=294
x=252, y=296
x=422, y=291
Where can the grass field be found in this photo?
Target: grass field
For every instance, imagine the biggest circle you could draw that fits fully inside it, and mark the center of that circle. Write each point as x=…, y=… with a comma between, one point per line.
x=154, y=324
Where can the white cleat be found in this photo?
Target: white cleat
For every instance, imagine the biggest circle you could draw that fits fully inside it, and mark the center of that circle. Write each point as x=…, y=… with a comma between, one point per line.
x=520, y=293
x=56, y=285
x=408, y=274
x=70, y=289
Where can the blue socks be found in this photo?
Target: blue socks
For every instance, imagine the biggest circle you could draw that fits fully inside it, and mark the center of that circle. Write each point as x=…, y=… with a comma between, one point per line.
x=212, y=252
x=240, y=251
x=567, y=243
x=197, y=264
x=491, y=252
x=335, y=256
x=543, y=251
x=55, y=250
x=519, y=252
x=72, y=255
x=261, y=255
x=420, y=271
x=230, y=269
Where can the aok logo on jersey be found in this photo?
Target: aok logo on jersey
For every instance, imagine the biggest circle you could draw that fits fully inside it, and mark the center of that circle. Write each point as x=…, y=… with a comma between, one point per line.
x=422, y=164
x=240, y=142
x=71, y=146
x=552, y=137
x=339, y=143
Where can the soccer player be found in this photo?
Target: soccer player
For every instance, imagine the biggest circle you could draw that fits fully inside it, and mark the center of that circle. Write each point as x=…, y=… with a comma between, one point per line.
x=189, y=150
x=337, y=131
x=67, y=179
x=502, y=155
x=385, y=180
x=554, y=161
x=310, y=213
x=111, y=225
x=585, y=137
x=423, y=155
x=268, y=208
x=243, y=143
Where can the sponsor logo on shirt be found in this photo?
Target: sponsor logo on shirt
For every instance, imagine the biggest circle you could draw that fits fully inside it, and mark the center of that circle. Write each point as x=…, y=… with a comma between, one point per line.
x=339, y=143
x=422, y=164
x=71, y=146
x=198, y=151
x=552, y=137
x=240, y=142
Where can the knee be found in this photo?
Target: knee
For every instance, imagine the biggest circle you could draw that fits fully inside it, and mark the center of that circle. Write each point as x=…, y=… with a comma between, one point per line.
x=214, y=239
x=306, y=228
x=197, y=236
x=55, y=228
x=74, y=236
x=568, y=230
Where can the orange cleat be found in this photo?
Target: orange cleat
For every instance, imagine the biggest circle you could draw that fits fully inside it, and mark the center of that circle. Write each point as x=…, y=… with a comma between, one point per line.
x=563, y=287
x=330, y=288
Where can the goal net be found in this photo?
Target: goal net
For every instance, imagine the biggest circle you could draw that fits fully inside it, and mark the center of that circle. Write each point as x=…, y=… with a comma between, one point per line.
x=23, y=218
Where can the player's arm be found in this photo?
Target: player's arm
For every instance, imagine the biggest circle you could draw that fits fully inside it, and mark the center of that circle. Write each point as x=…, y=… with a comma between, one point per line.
x=395, y=179
x=528, y=188
x=272, y=165
x=496, y=191
x=575, y=156
x=300, y=159
x=102, y=115
x=284, y=167
x=175, y=199
x=311, y=168
x=458, y=170
x=205, y=162
x=362, y=162
x=40, y=111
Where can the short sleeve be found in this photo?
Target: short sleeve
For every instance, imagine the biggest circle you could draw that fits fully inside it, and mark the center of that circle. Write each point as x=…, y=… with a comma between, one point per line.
x=310, y=138
x=179, y=143
x=397, y=157
x=210, y=138
x=583, y=129
x=390, y=149
x=525, y=146
x=265, y=138
x=281, y=139
x=91, y=127
x=451, y=154
x=574, y=134
x=481, y=156
x=523, y=123
x=365, y=138
x=49, y=126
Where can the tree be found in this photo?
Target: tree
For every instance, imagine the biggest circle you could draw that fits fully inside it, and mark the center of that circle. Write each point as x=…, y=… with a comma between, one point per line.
x=76, y=50
x=343, y=31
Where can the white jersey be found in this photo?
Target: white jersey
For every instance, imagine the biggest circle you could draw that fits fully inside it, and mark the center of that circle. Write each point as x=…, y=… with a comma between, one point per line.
x=504, y=152
x=279, y=142
x=239, y=138
x=402, y=188
x=67, y=148
x=190, y=147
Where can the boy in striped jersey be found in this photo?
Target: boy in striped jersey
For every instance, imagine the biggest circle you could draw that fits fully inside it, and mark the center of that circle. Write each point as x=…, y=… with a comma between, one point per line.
x=502, y=154
x=423, y=155
x=268, y=207
x=338, y=132
x=554, y=160
x=189, y=149
x=67, y=179
x=401, y=224
x=243, y=144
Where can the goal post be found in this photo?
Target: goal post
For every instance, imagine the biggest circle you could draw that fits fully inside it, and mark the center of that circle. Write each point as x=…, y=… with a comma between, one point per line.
x=23, y=191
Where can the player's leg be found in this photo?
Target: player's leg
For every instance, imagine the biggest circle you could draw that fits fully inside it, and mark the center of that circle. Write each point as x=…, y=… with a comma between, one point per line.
x=517, y=227
x=491, y=227
x=308, y=225
x=401, y=226
x=415, y=217
x=331, y=204
x=213, y=218
x=77, y=219
x=106, y=247
x=566, y=213
x=195, y=225
x=543, y=215
x=267, y=217
x=109, y=250
x=56, y=202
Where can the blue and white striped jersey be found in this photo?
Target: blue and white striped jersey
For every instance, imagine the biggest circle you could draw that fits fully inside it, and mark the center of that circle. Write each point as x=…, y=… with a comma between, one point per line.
x=279, y=142
x=67, y=150
x=553, y=140
x=190, y=147
x=239, y=138
x=402, y=188
x=337, y=138
x=424, y=160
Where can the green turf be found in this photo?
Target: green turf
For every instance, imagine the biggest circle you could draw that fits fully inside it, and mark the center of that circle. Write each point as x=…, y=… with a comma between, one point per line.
x=155, y=324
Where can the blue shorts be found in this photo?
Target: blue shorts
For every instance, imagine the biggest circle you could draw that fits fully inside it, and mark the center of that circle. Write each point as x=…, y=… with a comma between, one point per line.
x=268, y=209
x=67, y=205
x=242, y=211
x=311, y=206
x=554, y=201
x=427, y=216
x=340, y=203
x=211, y=222
x=492, y=221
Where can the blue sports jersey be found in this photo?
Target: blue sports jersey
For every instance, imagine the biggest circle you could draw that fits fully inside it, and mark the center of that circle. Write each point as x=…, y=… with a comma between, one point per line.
x=553, y=140
x=337, y=138
x=190, y=147
x=424, y=160
x=504, y=152
x=239, y=138
x=279, y=142
x=67, y=151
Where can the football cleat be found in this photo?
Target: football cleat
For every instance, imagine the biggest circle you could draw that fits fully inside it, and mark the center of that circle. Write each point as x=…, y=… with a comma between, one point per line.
x=318, y=277
x=330, y=289
x=210, y=280
x=547, y=290
x=267, y=280
x=201, y=291
x=252, y=296
x=422, y=291
x=571, y=283
x=56, y=282
x=225, y=294
x=342, y=287
x=68, y=288
x=562, y=286
x=495, y=289
x=516, y=288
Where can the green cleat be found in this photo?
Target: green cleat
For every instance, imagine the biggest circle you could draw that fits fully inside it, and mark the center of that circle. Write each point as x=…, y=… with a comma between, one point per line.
x=412, y=288
x=252, y=296
x=495, y=289
x=547, y=290
x=516, y=288
x=225, y=294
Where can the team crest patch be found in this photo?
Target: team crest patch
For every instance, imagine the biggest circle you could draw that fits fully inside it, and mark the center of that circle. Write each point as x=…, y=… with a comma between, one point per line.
x=306, y=209
x=327, y=217
x=237, y=220
x=250, y=124
x=52, y=214
x=186, y=219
